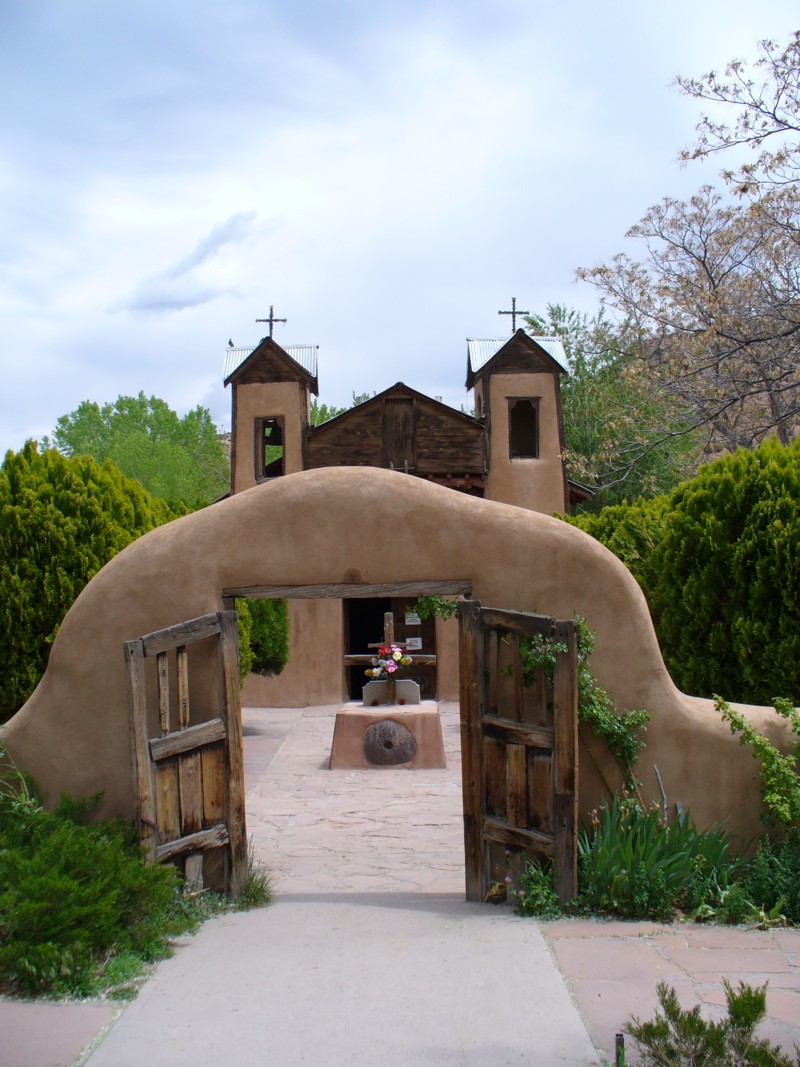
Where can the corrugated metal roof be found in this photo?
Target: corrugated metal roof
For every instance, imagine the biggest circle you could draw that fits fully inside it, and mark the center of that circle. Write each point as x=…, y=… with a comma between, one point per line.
x=481, y=349
x=304, y=355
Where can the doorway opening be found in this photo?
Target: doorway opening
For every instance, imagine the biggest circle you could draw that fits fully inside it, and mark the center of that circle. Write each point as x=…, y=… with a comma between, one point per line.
x=363, y=626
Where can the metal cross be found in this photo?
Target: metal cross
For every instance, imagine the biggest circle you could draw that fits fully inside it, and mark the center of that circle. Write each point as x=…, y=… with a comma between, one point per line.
x=272, y=320
x=513, y=313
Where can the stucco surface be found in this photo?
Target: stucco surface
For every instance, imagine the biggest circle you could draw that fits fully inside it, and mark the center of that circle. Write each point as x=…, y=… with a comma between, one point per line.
x=368, y=525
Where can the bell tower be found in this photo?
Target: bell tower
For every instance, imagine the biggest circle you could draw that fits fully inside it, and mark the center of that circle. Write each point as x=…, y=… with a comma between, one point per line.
x=271, y=393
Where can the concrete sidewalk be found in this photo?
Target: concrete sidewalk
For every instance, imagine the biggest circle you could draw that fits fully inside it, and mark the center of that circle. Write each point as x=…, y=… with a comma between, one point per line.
x=370, y=954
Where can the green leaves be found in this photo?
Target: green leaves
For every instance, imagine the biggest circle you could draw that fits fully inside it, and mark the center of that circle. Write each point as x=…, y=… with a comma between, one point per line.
x=679, y=1037
x=719, y=564
x=620, y=730
x=780, y=774
x=61, y=520
x=633, y=864
x=180, y=460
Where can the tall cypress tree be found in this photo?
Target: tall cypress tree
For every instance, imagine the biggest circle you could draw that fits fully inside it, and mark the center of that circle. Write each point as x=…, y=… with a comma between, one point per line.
x=61, y=520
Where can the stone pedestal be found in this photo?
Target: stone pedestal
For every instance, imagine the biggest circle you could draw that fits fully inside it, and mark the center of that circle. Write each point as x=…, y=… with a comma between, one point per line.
x=369, y=738
x=398, y=691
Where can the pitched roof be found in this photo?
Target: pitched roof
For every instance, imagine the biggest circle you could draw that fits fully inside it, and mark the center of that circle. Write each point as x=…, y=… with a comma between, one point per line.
x=303, y=356
x=481, y=351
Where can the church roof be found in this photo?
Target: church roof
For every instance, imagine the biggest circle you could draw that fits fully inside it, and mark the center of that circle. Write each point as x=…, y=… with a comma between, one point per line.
x=304, y=355
x=480, y=350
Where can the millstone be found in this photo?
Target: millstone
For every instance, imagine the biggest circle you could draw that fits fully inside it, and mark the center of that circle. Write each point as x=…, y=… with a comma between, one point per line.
x=387, y=743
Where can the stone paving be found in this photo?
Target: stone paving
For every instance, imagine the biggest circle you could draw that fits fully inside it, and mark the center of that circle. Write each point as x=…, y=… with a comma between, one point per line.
x=360, y=835
x=323, y=831
x=332, y=832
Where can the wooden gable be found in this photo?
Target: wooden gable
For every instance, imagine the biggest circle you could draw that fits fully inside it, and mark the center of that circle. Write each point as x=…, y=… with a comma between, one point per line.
x=521, y=354
x=402, y=429
x=268, y=362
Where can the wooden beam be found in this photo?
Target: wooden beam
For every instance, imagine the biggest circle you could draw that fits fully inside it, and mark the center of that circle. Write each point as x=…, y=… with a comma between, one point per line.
x=213, y=837
x=182, y=634
x=517, y=622
x=516, y=837
x=140, y=753
x=471, y=687
x=366, y=660
x=350, y=590
x=204, y=733
x=530, y=734
x=565, y=766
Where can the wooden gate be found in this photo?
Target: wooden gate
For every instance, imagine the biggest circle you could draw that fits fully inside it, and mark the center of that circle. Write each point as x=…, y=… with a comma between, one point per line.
x=519, y=748
x=189, y=780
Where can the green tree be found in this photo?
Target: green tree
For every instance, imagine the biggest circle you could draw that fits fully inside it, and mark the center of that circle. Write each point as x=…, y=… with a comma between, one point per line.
x=61, y=520
x=621, y=431
x=181, y=460
x=323, y=412
x=718, y=561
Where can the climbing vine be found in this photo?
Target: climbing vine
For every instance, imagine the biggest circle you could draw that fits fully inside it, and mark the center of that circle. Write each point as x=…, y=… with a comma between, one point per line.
x=779, y=772
x=620, y=730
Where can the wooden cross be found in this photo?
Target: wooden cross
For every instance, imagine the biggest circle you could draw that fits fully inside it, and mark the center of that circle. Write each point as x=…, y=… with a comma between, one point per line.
x=364, y=660
x=388, y=633
x=513, y=313
x=272, y=320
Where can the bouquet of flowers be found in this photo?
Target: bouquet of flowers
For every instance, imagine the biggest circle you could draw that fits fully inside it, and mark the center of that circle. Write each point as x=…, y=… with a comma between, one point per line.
x=387, y=663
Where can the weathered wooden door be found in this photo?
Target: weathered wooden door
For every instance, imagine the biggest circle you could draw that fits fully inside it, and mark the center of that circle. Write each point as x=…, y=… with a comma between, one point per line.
x=189, y=779
x=519, y=748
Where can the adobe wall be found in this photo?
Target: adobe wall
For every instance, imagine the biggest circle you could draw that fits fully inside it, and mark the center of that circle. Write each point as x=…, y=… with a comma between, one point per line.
x=288, y=399
x=375, y=526
x=537, y=484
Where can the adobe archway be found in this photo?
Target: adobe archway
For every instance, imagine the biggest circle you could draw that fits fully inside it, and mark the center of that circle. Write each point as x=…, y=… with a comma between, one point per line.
x=364, y=525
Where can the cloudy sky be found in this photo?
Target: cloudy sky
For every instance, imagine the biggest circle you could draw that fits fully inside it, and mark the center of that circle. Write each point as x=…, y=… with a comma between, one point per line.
x=387, y=175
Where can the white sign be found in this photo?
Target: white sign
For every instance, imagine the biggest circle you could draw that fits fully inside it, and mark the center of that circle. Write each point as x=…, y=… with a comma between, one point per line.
x=414, y=643
x=412, y=619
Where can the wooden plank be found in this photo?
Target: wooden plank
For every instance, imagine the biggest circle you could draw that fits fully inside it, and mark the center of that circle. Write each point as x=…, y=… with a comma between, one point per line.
x=181, y=634
x=365, y=660
x=213, y=837
x=133, y=653
x=190, y=791
x=516, y=680
x=212, y=763
x=494, y=777
x=344, y=590
x=516, y=786
x=235, y=816
x=540, y=791
x=183, y=687
x=471, y=698
x=204, y=733
x=162, y=670
x=517, y=622
x=193, y=871
x=167, y=801
x=518, y=733
x=493, y=654
x=517, y=837
x=565, y=766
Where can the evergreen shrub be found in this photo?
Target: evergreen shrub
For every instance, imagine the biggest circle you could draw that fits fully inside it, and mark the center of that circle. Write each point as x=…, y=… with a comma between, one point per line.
x=72, y=896
x=718, y=562
x=61, y=520
x=269, y=635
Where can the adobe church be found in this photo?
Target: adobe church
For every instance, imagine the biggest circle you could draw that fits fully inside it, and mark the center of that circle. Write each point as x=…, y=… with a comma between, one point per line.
x=510, y=451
